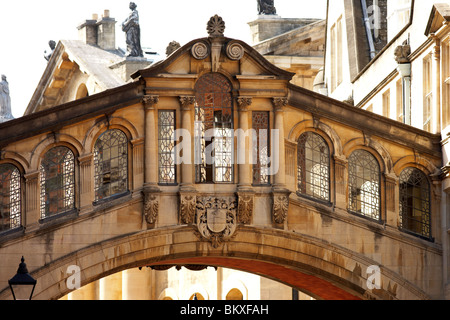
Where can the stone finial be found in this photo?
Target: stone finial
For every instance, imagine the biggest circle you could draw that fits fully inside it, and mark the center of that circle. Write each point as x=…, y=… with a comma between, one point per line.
x=172, y=47
x=216, y=26
x=52, y=45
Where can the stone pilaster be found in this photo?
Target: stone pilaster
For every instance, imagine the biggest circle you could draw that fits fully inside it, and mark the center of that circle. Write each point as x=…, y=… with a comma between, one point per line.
x=280, y=194
x=245, y=193
x=187, y=193
x=392, y=199
x=86, y=180
x=341, y=181
x=32, y=204
x=151, y=190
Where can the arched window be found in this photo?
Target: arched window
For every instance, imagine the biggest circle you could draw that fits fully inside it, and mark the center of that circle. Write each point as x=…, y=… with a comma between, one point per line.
x=415, y=202
x=57, y=182
x=10, y=199
x=111, y=164
x=214, y=135
x=313, y=166
x=364, y=184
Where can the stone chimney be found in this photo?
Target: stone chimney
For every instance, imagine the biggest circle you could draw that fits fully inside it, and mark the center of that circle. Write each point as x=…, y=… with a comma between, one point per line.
x=99, y=32
x=106, y=32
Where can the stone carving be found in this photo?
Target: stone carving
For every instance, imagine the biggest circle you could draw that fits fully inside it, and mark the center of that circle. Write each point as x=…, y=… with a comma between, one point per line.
x=235, y=51
x=186, y=102
x=187, y=208
x=133, y=33
x=151, y=208
x=266, y=7
x=216, y=219
x=245, y=208
x=172, y=47
x=279, y=103
x=149, y=100
x=402, y=52
x=52, y=45
x=280, y=207
x=215, y=26
x=5, y=101
x=244, y=103
x=200, y=51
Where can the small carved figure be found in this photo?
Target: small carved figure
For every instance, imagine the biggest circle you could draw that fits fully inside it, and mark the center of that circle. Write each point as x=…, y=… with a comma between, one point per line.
x=5, y=101
x=266, y=7
x=133, y=33
x=52, y=45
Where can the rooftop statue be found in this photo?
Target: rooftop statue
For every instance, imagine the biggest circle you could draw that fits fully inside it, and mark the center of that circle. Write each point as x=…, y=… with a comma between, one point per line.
x=133, y=33
x=5, y=101
x=52, y=45
x=266, y=7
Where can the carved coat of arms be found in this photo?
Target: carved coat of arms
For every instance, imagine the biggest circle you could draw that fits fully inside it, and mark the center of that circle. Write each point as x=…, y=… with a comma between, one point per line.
x=216, y=219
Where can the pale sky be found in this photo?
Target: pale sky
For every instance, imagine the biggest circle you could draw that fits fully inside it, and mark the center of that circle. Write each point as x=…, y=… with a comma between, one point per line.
x=28, y=25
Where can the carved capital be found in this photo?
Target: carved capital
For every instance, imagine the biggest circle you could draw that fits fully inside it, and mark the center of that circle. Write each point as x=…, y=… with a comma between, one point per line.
x=187, y=102
x=150, y=101
x=279, y=103
x=244, y=103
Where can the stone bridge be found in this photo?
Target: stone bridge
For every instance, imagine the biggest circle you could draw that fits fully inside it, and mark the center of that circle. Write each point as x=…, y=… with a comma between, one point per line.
x=99, y=189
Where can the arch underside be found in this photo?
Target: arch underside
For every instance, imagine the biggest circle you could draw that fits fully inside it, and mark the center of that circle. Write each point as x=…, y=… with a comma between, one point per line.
x=318, y=269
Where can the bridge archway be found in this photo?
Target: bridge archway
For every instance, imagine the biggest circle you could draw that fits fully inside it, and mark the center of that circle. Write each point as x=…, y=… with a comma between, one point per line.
x=322, y=270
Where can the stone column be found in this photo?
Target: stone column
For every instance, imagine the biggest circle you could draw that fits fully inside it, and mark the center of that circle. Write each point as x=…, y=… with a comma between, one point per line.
x=136, y=284
x=187, y=193
x=111, y=287
x=87, y=292
x=280, y=193
x=151, y=189
x=32, y=205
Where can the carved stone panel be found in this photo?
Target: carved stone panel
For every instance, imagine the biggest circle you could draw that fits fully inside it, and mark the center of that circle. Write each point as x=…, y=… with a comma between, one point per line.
x=216, y=219
x=245, y=207
x=187, y=208
x=151, y=207
x=280, y=207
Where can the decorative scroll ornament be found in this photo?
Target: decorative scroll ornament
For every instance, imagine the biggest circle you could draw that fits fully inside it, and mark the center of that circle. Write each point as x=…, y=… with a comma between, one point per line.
x=215, y=26
x=200, y=50
x=151, y=208
x=245, y=208
x=280, y=207
x=187, y=209
x=235, y=51
x=216, y=219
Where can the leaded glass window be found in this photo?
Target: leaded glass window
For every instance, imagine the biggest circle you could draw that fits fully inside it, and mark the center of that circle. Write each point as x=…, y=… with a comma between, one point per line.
x=364, y=184
x=166, y=146
x=313, y=169
x=111, y=164
x=415, y=202
x=57, y=182
x=260, y=124
x=10, y=199
x=214, y=138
